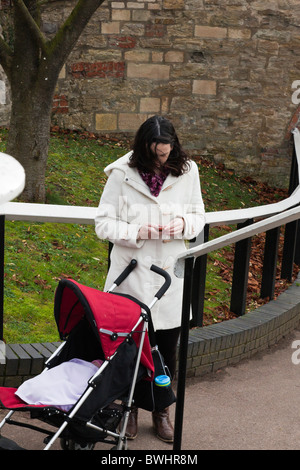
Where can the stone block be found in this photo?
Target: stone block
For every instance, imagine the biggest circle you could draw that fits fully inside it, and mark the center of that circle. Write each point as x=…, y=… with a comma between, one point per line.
x=123, y=42
x=150, y=105
x=267, y=47
x=136, y=5
x=137, y=56
x=154, y=6
x=110, y=28
x=120, y=15
x=117, y=5
x=204, y=87
x=173, y=4
x=174, y=56
x=106, y=122
x=37, y=359
x=212, y=32
x=157, y=56
x=165, y=103
x=109, y=69
x=141, y=15
x=12, y=361
x=154, y=30
x=237, y=33
x=130, y=122
x=149, y=71
x=24, y=359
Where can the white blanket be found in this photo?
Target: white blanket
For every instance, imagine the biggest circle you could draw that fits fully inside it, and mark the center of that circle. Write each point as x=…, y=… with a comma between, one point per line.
x=60, y=386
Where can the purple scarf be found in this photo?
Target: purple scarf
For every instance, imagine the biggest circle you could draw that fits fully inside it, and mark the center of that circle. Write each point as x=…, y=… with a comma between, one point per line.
x=154, y=181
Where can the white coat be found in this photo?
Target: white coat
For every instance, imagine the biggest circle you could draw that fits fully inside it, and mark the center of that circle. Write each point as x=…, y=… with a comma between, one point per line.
x=127, y=204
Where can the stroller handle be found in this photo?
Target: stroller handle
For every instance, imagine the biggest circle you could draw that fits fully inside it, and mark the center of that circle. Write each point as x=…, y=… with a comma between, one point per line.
x=167, y=282
x=126, y=272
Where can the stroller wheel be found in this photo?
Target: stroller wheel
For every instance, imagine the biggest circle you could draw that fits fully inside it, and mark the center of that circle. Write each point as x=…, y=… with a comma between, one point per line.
x=123, y=446
x=69, y=444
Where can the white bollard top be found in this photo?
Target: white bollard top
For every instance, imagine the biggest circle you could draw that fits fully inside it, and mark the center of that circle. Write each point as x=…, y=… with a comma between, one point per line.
x=12, y=178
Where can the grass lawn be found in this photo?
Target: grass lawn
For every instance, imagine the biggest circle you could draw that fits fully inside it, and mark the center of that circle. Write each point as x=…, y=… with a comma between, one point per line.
x=37, y=255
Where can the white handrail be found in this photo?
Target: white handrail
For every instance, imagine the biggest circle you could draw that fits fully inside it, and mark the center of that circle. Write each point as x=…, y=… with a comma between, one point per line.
x=48, y=213
x=236, y=236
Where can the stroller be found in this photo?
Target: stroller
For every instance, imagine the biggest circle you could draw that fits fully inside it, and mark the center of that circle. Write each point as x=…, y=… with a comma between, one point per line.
x=94, y=325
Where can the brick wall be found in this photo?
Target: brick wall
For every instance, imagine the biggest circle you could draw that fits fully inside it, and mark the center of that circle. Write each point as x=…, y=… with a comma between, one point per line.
x=222, y=71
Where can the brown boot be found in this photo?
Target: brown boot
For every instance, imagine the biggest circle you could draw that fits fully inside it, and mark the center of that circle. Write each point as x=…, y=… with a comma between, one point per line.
x=132, y=426
x=162, y=425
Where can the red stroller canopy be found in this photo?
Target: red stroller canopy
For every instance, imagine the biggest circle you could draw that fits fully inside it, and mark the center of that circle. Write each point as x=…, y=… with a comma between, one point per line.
x=111, y=316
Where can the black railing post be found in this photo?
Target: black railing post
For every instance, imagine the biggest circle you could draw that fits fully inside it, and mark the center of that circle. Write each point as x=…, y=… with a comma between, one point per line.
x=297, y=249
x=183, y=347
x=291, y=235
x=2, y=240
x=289, y=247
x=270, y=263
x=240, y=273
x=198, y=285
x=294, y=177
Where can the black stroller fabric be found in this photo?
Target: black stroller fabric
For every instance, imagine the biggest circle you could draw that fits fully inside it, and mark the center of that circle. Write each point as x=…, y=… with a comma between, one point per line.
x=114, y=381
x=149, y=396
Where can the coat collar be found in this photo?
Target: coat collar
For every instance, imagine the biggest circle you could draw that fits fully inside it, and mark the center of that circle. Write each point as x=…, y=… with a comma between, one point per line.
x=132, y=177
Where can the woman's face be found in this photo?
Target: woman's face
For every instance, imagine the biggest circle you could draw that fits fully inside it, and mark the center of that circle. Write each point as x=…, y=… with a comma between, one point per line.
x=162, y=151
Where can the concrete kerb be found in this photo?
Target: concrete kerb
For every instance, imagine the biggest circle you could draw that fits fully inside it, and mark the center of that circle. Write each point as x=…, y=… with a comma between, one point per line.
x=210, y=348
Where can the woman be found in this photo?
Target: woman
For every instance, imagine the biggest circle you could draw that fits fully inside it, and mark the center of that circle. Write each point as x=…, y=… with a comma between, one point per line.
x=150, y=205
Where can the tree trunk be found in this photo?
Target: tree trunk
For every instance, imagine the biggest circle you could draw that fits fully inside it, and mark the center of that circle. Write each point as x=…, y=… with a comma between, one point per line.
x=29, y=132
x=32, y=83
x=28, y=142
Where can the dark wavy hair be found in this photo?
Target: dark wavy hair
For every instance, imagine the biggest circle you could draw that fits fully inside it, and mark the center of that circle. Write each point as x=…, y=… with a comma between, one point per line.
x=160, y=130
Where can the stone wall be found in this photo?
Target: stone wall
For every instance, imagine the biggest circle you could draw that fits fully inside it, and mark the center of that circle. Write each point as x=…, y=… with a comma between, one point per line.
x=223, y=71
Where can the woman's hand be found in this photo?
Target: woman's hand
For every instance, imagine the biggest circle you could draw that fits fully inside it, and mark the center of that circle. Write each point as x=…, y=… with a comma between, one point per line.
x=147, y=232
x=174, y=228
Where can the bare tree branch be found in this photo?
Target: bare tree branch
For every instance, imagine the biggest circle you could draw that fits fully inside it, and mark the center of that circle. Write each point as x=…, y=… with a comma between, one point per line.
x=63, y=42
x=34, y=28
x=66, y=37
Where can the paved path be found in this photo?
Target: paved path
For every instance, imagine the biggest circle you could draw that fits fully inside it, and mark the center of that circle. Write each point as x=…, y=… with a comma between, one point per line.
x=254, y=405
